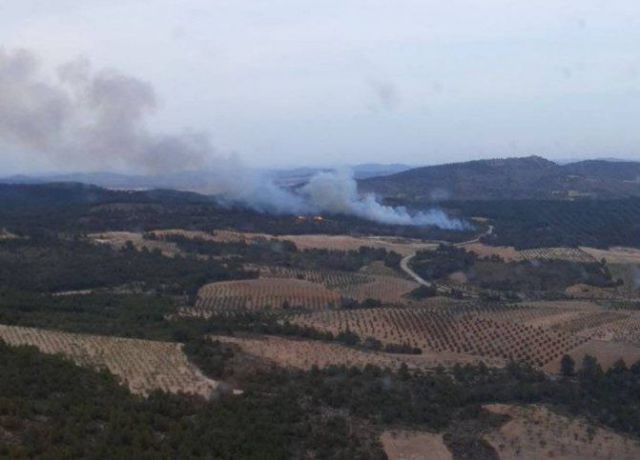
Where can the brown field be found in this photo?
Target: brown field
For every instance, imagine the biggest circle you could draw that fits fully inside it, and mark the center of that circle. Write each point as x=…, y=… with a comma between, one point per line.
x=142, y=365
x=449, y=331
x=303, y=354
x=535, y=432
x=589, y=320
x=607, y=353
x=118, y=240
x=262, y=293
x=615, y=255
x=414, y=445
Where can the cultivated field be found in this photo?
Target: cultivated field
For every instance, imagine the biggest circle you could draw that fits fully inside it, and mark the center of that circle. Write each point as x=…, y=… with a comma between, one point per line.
x=142, y=365
x=303, y=354
x=450, y=330
x=534, y=432
x=357, y=286
x=568, y=254
x=258, y=294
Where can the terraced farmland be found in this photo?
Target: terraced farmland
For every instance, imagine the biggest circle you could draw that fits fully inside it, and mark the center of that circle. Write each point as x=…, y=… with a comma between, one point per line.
x=142, y=365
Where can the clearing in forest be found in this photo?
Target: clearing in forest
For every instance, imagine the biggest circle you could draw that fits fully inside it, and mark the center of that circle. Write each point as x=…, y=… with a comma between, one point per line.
x=143, y=365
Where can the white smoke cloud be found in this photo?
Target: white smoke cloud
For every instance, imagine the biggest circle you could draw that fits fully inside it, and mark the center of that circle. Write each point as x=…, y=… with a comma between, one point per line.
x=337, y=192
x=98, y=120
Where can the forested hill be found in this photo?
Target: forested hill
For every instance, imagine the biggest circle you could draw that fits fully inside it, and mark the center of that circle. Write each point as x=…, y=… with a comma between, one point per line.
x=511, y=178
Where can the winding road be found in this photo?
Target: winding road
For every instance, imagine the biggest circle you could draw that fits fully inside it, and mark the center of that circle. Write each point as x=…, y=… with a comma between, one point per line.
x=404, y=263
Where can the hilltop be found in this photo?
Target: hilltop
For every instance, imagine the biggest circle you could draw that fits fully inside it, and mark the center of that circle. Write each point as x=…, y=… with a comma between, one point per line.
x=530, y=177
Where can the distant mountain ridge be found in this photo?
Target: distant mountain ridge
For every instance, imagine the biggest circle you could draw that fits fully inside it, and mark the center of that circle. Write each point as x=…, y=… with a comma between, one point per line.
x=193, y=180
x=530, y=177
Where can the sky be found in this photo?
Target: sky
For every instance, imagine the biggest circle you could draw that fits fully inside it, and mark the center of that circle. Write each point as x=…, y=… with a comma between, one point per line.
x=296, y=82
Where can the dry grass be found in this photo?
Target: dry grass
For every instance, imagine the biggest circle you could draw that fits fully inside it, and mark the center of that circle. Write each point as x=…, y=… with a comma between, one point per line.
x=414, y=445
x=118, y=240
x=260, y=294
x=535, y=432
x=303, y=354
x=142, y=365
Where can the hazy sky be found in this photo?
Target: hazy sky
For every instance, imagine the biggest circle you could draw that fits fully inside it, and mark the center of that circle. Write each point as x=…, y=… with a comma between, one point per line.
x=301, y=82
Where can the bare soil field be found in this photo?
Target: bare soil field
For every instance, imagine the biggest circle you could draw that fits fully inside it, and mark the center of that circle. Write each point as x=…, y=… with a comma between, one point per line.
x=118, y=240
x=142, y=365
x=303, y=354
x=585, y=291
x=535, y=432
x=263, y=293
x=414, y=445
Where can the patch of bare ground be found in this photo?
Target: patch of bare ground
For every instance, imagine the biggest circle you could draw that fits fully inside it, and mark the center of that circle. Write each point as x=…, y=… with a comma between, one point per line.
x=142, y=365
x=585, y=291
x=606, y=352
x=535, y=432
x=118, y=240
x=258, y=294
x=414, y=445
x=615, y=255
x=304, y=354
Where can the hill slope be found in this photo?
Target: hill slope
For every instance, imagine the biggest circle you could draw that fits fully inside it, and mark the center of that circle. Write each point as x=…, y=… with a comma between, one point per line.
x=512, y=178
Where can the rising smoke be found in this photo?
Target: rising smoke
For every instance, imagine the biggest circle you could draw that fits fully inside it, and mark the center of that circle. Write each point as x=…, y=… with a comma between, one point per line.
x=98, y=120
